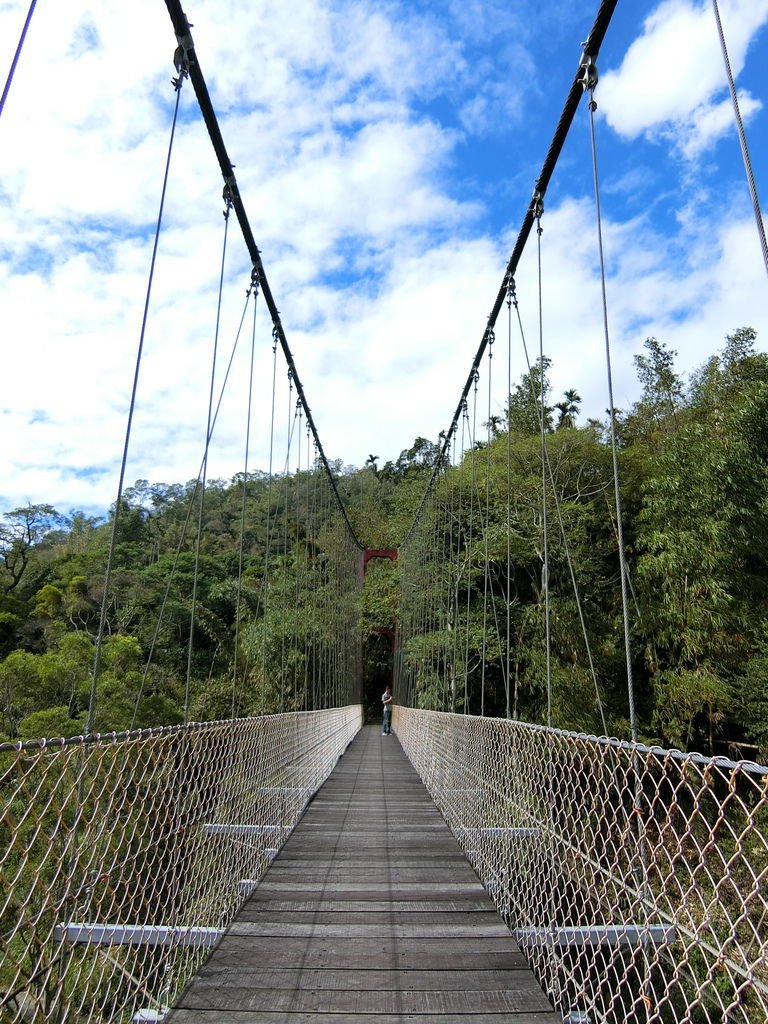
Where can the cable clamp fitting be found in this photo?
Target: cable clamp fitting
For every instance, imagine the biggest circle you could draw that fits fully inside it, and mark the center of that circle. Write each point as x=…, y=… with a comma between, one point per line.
x=183, y=57
x=229, y=192
x=253, y=287
x=589, y=78
x=537, y=205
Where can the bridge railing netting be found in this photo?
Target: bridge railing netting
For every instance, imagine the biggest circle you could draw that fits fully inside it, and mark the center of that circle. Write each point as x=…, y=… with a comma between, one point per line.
x=123, y=858
x=635, y=879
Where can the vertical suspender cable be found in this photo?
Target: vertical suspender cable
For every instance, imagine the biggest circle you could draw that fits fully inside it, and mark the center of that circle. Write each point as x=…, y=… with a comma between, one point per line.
x=297, y=572
x=640, y=868
x=267, y=604
x=450, y=650
x=227, y=208
x=307, y=566
x=185, y=524
x=454, y=577
x=254, y=290
x=563, y=534
x=543, y=427
x=509, y=495
x=317, y=569
x=472, y=486
x=486, y=527
x=468, y=549
x=284, y=490
x=118, y=501
x=742, y=138
x=590, y=81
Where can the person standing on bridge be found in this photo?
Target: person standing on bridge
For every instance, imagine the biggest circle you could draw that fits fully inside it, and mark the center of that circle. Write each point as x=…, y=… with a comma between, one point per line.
x=386, y=722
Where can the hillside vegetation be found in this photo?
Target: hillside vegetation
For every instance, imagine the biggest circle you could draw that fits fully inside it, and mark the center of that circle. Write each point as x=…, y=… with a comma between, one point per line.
x=693, y=460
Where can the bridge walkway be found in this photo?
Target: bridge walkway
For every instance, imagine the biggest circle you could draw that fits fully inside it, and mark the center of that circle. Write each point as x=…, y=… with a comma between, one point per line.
x=370, y=912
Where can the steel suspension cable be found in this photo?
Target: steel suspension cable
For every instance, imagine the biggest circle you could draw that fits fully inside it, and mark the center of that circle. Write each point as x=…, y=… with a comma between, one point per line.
x=186, y=55
x=198, y=539
x=17, y=54
x=742, y=137
x=590, y=51
x=90, y=724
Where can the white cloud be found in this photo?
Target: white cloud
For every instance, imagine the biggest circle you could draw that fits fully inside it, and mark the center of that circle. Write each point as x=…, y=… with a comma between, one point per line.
x=672, y=74
x=383, y=270
x=711, y=122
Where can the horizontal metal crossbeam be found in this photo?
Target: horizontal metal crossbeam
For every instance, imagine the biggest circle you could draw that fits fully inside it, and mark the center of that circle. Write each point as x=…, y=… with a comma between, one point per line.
x=224, y=828
x=599, y=935
x=136, y=934
x=513, y=832
x=281, y=789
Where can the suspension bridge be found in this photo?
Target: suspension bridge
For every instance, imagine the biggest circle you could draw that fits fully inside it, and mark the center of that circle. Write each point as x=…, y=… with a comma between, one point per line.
x=298, y=866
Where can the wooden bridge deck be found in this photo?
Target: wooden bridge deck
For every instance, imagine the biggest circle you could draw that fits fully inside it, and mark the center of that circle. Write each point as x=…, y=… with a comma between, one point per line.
x=369, y=912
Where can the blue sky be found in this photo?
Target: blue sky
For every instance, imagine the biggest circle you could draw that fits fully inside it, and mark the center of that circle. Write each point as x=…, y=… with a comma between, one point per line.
x=386, y=153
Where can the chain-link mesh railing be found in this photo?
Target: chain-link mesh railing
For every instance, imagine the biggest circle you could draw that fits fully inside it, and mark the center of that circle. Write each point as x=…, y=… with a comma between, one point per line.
x=123, y=858
x=635, y=879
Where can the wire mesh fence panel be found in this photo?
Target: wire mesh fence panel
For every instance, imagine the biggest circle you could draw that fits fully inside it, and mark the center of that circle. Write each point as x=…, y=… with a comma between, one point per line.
x=123, y=858
x=635, y=879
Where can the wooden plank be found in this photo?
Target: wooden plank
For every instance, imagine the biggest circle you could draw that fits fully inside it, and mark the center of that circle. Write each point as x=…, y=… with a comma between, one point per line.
x=204, y=995
x=353, y=890
x=438, y=954
x=383, y=930
x=379, y=876
x=261, y=903
x=266, y=916
x=189, y=1016
x=367, y=980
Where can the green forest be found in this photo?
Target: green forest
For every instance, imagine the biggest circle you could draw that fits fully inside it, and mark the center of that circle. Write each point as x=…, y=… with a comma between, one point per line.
x=693, y=455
